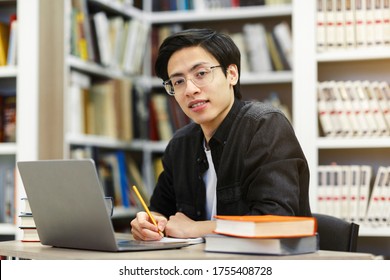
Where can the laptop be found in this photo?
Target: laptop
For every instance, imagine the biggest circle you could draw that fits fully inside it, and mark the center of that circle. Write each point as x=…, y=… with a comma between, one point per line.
x=69, y=208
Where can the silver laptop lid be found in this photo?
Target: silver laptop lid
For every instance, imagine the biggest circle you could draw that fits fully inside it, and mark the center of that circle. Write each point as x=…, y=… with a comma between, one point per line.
x=67, y=202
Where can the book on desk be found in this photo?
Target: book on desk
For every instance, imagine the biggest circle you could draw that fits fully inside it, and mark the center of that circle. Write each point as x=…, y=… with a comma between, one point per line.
x=265, y=234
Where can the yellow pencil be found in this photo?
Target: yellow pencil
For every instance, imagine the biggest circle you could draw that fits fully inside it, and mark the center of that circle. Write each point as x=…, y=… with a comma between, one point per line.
x=146, y=207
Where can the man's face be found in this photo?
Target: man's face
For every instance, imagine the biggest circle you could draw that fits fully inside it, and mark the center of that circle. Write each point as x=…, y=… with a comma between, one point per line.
x=208, y=104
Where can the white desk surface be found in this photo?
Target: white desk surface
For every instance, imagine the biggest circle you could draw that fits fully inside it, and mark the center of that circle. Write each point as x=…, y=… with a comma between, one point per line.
x=34, y=250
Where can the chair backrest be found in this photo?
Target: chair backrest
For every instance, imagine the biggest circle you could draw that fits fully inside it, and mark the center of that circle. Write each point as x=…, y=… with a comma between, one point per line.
x=336, y=234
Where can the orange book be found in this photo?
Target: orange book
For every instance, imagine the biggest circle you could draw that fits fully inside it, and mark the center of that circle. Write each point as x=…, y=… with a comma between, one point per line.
x=266, y=226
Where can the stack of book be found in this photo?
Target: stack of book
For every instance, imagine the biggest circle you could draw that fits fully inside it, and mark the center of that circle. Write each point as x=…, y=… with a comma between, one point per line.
x=266, y=234
x=27, y=224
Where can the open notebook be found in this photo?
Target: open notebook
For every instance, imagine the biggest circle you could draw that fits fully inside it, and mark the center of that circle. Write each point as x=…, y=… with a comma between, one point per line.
x=69, y=209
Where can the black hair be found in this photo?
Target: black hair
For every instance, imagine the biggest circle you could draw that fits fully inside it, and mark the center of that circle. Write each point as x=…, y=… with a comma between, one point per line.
x=219, y=45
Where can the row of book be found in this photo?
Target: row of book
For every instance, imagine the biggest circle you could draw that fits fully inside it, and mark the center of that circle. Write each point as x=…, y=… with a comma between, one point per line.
x=101, y=108
x=263, y=49
x=343, y=24
x=7, y=194
x=200, y=5
x=118, y=171
x=7, y=118
x=114, y=41
x=8, y=41
x=165, y=117
x=117, y=109
x=347, y=192
x=354, y=108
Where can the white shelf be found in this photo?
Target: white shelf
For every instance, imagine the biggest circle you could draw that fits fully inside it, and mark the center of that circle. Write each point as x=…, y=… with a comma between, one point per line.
x=353, y=143
x=8, y=72
x=149, y=146
x=122, y=212
x=374, y=231
x=94, y=68
x=276, y=77
x=355, y=55
x=220, y=14
x=106, y=142
x=118, y=7
x=8, y=148
x=97, y=141
x=7, y=229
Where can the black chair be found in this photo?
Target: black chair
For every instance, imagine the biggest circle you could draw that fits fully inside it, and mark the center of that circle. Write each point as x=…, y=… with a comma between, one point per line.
x=336, y=234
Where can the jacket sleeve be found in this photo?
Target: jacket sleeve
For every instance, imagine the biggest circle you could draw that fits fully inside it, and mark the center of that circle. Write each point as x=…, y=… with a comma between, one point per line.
x=275, y=169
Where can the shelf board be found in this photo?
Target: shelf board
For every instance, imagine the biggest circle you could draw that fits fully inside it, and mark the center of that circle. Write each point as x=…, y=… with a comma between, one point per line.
x=353, y=143
x=266, y=78
x=149, y=146
x=220, y=14
x=8, y=72
x=8, y=149
x=97, y=141
x=118, y=7
x=95, y=69
x=106, y=142
x=355, y=55
x=7, y=229
x=122, y=212
x=367, y=231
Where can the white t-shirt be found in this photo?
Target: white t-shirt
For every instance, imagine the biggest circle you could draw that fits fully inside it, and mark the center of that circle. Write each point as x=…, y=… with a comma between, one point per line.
x=210, y=180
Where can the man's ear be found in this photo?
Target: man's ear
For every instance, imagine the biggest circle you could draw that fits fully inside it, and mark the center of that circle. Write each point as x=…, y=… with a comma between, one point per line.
x=232, y=74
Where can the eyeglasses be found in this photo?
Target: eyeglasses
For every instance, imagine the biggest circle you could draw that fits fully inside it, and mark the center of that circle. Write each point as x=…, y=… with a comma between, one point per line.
x=200, y=77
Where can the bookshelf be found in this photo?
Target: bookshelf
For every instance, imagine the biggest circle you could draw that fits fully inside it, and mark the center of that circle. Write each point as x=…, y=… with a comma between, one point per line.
x=367, y=63
x=43, y=73
x=147, y=151
x=23, y=79
x=255, y=85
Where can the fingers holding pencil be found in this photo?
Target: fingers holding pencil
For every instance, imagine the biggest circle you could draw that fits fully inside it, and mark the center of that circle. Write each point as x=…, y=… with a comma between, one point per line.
x=159, y=228
x=143, y=228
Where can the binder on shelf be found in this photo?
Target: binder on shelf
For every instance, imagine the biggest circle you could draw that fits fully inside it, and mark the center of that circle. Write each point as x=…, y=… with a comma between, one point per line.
x=283, y=39
x=386, y=192
x=13, y=42
x=256, y=41
x=370, y=22
x=355, y=178
x=364, y=191
x=325, y=110
x=77, y=101
x=381, y=92
x=321, y=189
x=357, y=108
x=344, y=192
x=376, y=208
x=4, y=41
x=348, y=109
x=330, y=25
x=102, y=38
x=321, y=26
x=339, y=29
x=350, y=23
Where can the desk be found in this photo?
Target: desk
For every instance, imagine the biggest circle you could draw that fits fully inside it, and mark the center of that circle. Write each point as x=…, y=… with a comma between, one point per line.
x=30, y=250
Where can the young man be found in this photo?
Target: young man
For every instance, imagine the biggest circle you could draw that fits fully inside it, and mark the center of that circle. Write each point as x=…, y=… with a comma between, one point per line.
x=236, y=158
